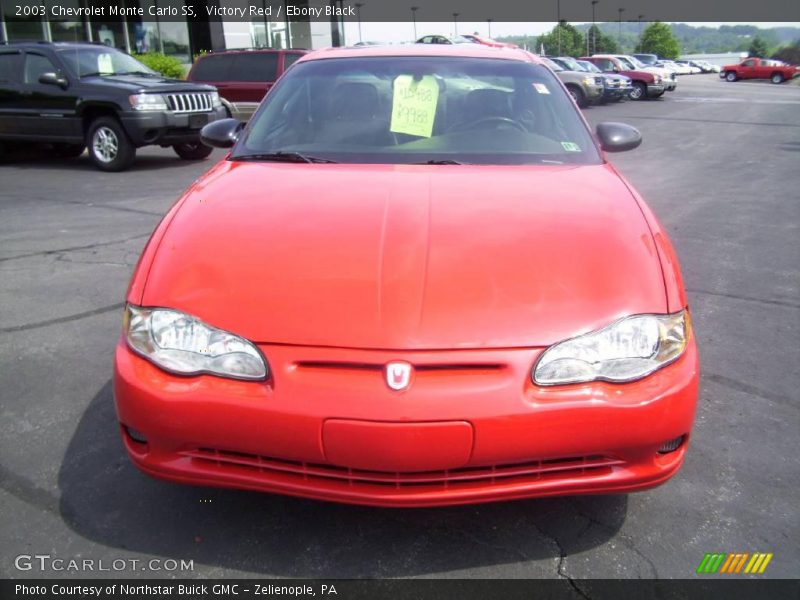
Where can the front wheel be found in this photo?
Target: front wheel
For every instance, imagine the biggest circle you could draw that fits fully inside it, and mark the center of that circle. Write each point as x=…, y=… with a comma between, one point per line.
x=109, y=146
x=577, y=95
x=776, y=78
x=730, y=76
x=192, y=151
x=639, y=91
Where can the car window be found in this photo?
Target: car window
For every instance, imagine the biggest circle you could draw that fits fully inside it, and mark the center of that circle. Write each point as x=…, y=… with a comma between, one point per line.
x=256, y=66
x=409, y=110
x=102, y=61
x=290, y=59
x=36, y=65
x=748, y=63
x=605, y=64
x=213, y=68
x=8, y=66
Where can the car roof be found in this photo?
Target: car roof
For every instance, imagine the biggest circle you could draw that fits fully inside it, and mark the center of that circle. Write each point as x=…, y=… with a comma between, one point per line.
x=442, y=50
x=41, y=44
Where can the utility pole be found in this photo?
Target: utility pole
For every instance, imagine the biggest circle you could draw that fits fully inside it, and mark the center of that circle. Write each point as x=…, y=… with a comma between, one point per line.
x=455, y=22
x=619, y=32
x=489, y=21
x=594, y=29
x=358, y=6
x=414, y=20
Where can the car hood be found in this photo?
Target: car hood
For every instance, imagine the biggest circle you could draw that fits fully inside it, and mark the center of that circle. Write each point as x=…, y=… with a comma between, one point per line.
x=407, y=257
x=138, y=83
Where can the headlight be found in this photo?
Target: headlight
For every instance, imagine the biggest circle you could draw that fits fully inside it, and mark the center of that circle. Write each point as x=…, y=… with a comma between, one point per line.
x=183, y=344
x=588, y=80
x=147, y=102
x=628, y=349
x=215, y=101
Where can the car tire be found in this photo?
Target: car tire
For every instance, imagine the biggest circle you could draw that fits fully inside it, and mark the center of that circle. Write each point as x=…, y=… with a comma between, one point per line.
x=776, y=78
x=730, y=76
x=68, y=150
x=109, y=146
x=639, y=91
x=192, y=151
x=577, y=95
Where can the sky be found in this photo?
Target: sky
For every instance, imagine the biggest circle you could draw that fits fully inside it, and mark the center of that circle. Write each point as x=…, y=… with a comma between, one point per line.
x=404, y=32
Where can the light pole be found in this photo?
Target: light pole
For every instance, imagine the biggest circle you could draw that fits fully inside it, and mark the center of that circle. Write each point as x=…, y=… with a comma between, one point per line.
x=414, y=20
x=640, y=25
x=455, y=22
x=619, y=30
x=594, y=29
x=558, y=25
x=358, y=6
x=489, y=21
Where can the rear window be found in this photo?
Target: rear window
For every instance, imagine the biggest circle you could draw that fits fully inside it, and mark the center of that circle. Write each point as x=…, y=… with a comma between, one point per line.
x=259, y=67
x=8, y=66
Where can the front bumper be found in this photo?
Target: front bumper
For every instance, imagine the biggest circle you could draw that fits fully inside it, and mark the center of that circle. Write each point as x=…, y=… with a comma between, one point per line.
x=593, y=91
x=655, y=89
x=670, y=84
x=166, y=128
x=471, y=427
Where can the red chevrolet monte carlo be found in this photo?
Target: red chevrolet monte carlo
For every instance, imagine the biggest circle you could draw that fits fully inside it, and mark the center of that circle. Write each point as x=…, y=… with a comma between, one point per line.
x=415, y=280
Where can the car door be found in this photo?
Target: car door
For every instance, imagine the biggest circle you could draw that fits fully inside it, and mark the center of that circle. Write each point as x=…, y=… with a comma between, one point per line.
x=747, y=69
x=10, y=98
x=49, y=110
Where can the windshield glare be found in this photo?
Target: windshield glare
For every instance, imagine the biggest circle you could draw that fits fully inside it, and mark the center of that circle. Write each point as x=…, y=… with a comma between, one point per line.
x=102, y=61
x=409, y=110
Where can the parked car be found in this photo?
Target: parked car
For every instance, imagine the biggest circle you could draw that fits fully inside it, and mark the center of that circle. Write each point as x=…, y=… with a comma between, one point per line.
x=707, y=66
x=443, y=39
x=583, y=87
x=477, y=39
x=673, y=68
x=668, y=77
x=422, y=284
x=243, y=77
x=691, y=69
x=82, y=95
x=760, y=68
x=644, y=83
x=616, y=86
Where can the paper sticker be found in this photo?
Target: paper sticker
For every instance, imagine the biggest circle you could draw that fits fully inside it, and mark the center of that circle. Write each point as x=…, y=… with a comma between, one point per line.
x=104, y=65
x=541, y=88
x=570, y=147
x=414, y=105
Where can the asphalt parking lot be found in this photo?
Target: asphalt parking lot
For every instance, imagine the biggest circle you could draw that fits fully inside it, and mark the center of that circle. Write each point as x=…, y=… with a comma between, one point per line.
x=719, y=165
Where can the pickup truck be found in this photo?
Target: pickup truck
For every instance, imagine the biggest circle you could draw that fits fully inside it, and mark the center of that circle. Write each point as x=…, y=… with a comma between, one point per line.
x=646, y=84
x=760, y=68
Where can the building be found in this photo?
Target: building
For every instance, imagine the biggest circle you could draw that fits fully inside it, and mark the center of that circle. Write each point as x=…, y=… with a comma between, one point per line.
x=138, y=26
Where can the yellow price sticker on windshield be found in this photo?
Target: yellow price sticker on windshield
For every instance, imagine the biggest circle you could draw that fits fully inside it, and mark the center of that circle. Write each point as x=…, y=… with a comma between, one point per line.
x=414, y=105
x=104, y=65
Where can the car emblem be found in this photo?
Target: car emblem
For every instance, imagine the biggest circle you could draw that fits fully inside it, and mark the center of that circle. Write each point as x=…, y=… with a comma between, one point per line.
x=398, y=375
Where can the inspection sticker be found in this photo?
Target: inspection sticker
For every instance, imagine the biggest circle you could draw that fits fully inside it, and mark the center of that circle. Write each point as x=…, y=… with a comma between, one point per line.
x=541, y=88
x=571, y=147
x=414, y=105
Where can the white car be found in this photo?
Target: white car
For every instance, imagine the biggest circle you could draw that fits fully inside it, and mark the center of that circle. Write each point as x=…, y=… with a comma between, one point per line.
x=675, y=67
x=692, y=69
x=635, y=64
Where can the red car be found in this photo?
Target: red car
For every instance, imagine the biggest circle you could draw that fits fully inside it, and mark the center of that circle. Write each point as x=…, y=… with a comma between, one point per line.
x=415, y=280
x=760, y=68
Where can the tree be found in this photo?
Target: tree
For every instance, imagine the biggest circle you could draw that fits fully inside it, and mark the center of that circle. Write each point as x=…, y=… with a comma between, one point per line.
x=789, y=54
x=563, y=40
x=600, y=43
x=758, y=48
x=658, y=39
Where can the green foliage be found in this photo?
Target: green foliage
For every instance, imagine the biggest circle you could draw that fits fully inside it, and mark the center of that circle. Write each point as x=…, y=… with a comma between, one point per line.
x=169, y=66
x=758, y=48
x=789, y=54
x=600, y=43
x=563, y=40
x=658, y=39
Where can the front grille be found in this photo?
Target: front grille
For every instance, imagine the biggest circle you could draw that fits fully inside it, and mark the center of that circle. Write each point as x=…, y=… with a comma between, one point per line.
x=189, y=103
x=532, y=471
x=598, y=80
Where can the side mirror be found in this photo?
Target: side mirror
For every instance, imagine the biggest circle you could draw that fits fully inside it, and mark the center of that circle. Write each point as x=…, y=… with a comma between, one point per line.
x=222, y=133
x=618, y=137
x=53, y=79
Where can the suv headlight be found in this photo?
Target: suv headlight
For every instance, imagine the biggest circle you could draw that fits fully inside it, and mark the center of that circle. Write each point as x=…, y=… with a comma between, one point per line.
x=215, y=101
x=588, y=81
x=183, y=344
x=628, y=349
x=147, y=102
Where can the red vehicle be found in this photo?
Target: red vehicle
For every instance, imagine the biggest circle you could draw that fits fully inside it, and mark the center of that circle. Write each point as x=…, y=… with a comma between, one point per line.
x=760, y=68
x=243, y=77
x=488, y=41
x=645, y=83
x=415, y=280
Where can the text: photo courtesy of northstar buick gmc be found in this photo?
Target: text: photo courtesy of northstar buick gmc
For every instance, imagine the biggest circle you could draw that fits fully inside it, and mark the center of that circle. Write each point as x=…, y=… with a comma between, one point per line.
x=415, y=280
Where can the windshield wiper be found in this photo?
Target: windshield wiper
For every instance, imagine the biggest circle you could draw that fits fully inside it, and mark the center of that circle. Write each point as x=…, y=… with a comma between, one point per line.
x=96, y=74
x=145, y=73
x=443, y=161
x=283, y=157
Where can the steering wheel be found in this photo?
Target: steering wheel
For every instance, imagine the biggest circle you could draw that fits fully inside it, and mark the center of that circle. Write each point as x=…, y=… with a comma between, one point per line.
x=484, y=120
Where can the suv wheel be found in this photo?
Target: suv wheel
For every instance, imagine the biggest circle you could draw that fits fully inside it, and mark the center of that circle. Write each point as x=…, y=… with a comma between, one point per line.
x=577, y=95
x=639, y=91
x=730, y=76
x=109, y=146
x=776, y=78
x=192, y=151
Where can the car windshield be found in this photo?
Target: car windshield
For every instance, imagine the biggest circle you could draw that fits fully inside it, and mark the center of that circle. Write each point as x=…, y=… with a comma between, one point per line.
x=590, y=67
x=636, y=64
x=102, y=60
x=570, y=63
x=553, y=65
x=418, y=110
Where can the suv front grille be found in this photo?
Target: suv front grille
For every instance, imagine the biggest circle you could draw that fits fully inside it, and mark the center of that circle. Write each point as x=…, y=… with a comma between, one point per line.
x=189, y=103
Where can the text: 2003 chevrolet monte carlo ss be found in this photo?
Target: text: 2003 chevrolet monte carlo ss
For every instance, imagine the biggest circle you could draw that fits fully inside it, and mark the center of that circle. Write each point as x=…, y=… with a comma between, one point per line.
x=414, y=281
